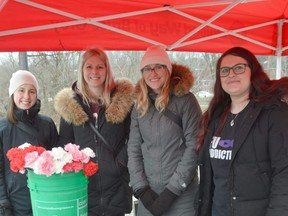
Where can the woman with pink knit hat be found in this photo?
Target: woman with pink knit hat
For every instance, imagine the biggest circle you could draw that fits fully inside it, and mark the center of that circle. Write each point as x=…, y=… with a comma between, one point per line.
x=22, y=124
x=161, y=149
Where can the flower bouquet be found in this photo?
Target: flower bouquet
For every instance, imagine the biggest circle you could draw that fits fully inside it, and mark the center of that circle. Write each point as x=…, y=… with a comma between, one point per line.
x=58, y=160
x=57, y=178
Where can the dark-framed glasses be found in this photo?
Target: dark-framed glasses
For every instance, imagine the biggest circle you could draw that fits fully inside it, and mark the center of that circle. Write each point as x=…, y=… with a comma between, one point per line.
x=156, y=68
x=237, y=69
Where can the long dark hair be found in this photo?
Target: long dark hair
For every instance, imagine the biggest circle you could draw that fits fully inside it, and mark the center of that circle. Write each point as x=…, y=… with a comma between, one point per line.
x=278, y=88
x=221, y=102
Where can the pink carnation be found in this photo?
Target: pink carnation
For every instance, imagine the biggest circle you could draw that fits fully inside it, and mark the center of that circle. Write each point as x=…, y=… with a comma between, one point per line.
x=74, y=150
x=44, y=164
x=30, y=159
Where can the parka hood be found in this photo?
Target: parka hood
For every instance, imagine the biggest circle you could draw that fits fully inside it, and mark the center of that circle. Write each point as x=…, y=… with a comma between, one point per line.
x=181, y=81
x=67, y=106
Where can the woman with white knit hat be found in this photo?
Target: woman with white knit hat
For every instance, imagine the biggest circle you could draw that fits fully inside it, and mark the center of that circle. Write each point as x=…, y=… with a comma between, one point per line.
x=22, y=124
x=161, y=149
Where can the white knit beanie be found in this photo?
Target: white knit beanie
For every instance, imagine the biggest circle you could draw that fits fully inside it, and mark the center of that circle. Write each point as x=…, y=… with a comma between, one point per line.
x=22, y=77
x=156, y=55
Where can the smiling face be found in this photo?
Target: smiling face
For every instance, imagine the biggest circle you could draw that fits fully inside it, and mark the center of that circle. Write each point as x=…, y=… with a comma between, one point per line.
x=94, y=72
x=25, y=96
x=155, y=76
x=236, y=85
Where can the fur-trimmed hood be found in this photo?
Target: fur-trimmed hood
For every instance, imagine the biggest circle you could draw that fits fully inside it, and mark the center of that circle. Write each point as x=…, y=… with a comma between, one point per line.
x=70, y=110
x=181, y=82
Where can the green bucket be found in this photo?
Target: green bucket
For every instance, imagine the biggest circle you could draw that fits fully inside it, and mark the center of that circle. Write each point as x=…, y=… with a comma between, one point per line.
x=59, y=194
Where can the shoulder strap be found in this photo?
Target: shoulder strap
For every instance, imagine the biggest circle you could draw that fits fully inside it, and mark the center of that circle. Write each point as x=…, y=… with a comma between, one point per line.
x=30, y=130
x=173, y=117
x=176, y=119
x=102, y=138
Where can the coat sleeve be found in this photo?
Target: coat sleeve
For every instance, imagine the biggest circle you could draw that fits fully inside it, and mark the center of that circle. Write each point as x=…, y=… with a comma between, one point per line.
x=278, y=150
x=186, y=168
x=138, y=177
x=53, y=134
x=66, y=133
x=122, y=155
x=3, y=195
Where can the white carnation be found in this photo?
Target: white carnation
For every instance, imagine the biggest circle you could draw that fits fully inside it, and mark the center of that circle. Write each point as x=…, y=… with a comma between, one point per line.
x=89, y=152
x=61, y=158
x=24, y=145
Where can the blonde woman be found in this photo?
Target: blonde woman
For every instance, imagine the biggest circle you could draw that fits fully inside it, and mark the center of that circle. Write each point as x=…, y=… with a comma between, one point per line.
x=97, y=102
x=162, y=159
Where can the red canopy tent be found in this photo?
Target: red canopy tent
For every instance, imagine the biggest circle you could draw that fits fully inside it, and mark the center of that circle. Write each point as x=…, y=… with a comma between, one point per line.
x=186, y=25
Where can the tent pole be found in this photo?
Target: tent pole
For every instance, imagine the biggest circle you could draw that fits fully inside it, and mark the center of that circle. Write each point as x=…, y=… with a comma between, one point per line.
x=278, y=66
x=279, y=49
x=23, y=61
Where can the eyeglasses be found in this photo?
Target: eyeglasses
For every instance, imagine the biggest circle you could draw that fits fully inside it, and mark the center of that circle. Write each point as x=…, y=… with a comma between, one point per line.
x=237, y=69
x=156, y=68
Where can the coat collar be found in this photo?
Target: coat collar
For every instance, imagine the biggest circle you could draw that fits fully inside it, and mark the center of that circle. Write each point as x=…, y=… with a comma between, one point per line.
x=70, y=110
x=249, y=120
x=181, y=80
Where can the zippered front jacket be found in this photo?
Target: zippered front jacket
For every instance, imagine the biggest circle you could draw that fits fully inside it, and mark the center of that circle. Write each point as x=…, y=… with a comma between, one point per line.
x=108, y=190
x=258, y=172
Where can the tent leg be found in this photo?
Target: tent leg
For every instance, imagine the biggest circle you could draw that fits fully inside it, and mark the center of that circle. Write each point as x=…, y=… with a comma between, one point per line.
x=279, y=49
x=278, y=67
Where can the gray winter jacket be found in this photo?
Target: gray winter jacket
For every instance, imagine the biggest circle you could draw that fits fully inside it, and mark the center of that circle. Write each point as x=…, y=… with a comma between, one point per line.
x=157, y=155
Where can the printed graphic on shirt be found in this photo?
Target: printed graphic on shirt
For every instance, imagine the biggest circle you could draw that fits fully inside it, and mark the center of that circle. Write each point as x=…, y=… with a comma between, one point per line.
x=221, y=149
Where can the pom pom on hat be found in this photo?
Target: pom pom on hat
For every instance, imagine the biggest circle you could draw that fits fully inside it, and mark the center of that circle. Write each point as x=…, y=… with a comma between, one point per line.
x=22, y=77
x=156, y=55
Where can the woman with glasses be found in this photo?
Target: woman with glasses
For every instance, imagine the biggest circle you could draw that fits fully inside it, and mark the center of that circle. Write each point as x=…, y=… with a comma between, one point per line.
x=244, y=143
x=162, y=159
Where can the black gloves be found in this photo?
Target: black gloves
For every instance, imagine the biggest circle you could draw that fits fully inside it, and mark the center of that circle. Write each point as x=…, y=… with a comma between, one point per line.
x=5, y=210
x=162, y=203
x=154, y=203
x=147, y=196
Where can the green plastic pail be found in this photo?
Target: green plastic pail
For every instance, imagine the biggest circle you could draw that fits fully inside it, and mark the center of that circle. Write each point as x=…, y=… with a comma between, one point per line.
x=58, y=195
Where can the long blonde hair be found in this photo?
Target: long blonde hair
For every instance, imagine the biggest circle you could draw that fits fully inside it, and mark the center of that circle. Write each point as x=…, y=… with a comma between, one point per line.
x=109, y=83
x=162, y=99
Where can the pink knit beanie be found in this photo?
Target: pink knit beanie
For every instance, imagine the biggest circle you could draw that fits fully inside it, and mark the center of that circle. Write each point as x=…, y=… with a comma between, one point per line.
x=156, y=55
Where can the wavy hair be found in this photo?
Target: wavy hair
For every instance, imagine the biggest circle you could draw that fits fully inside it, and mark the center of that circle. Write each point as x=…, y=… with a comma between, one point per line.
x=162, y=99
x=109, y=83
x=279, y=88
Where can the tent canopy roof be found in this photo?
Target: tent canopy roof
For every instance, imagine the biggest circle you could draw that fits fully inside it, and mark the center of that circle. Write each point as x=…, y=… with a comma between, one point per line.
x=184, y=25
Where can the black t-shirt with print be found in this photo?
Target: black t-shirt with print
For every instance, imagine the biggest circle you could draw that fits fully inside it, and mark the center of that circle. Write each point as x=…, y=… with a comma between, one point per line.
x=220, y=151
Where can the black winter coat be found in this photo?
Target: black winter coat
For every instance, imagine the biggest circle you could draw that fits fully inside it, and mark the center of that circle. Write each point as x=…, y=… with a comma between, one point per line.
x=13, y=186
x=258, y=179
x=108, y=190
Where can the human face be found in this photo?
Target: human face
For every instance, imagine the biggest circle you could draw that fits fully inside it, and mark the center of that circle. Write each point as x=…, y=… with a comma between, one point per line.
x=25, y=96
x=94, y=72
x=155, y=76
x=236, y=85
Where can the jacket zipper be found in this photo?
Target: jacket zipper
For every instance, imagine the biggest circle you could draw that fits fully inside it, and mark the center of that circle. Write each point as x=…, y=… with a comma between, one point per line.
x=98, y=150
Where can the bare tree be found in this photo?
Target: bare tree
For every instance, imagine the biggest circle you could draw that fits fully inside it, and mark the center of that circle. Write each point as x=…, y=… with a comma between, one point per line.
x=57, y=70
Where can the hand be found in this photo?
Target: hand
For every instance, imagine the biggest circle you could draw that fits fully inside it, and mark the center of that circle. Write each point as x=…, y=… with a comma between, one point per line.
x=163, y=202
x=148, y=197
